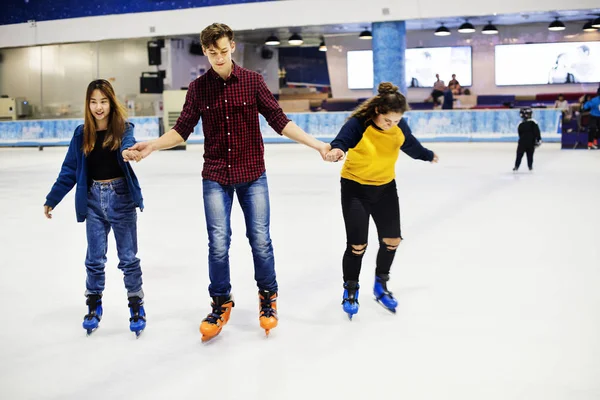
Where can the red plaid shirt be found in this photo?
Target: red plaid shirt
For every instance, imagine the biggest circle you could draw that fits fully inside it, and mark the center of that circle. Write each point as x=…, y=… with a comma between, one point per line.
x=233, y=144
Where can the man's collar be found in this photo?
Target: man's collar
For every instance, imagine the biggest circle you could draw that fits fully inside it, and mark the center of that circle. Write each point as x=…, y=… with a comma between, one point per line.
x=235, y=70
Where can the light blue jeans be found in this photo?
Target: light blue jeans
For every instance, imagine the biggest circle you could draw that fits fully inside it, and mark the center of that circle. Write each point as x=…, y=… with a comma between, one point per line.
x=254, y=200
x=110, y=205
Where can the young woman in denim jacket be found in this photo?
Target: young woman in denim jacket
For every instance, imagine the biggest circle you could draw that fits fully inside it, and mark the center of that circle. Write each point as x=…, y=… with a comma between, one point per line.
x=106, y=198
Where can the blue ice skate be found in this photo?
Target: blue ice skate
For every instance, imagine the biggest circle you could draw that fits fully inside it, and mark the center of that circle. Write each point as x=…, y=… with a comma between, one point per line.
x=383, y=295
x=350, y=301
x=137, y=322
x=94, y=315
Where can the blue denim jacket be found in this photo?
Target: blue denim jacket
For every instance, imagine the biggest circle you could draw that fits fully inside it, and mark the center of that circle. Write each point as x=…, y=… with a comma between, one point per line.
x=74, y=170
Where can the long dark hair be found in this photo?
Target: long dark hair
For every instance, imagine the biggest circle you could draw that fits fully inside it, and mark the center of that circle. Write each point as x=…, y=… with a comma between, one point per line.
x=388, y=99
x=116, y=118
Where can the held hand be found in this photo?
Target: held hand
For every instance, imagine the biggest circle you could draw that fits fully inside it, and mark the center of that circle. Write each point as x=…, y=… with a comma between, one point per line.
x=323, y=150
x=334, y=155
x=143, y=148
x=48, y=211
x=132, y=155
x=435, y=158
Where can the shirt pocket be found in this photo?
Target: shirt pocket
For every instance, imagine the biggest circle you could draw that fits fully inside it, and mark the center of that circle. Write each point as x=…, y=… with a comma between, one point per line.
x=243, y=105
x=212, y=112
x=245, y=114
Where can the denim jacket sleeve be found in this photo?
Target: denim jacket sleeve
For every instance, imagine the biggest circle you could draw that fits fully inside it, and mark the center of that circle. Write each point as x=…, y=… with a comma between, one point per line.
x=67, y=176
x=128, y=138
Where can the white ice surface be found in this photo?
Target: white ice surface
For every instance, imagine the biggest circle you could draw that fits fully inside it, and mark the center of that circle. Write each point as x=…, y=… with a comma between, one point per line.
x=498, y=282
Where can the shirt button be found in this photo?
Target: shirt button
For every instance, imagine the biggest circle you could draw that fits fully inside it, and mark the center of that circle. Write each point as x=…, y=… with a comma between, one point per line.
x=244, y=103
x=207, y=107
x=228, y=149
x=228, y=133
x=229, y=166
x=225, y=101
x=227, y=117
x=224, y=84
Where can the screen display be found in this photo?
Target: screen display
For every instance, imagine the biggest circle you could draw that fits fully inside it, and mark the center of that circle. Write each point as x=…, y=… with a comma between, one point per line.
x=422, y=64
x=547, y=63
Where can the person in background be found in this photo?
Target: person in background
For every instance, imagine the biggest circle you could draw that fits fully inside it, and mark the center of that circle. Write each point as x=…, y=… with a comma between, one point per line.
x=593, y=106
x=453, y=81
x=438, y=89
x=563, y=105
x=448, y=102
x=582, y=114
x=529, y=138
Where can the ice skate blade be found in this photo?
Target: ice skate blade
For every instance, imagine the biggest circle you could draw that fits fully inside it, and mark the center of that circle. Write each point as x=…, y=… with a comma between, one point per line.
x=267, y=331
x=392, y=310
x=208, y=339
x=138, y=333
x=89, y=332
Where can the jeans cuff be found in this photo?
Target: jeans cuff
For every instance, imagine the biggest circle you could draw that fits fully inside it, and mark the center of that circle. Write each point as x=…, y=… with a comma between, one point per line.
x=139, y=293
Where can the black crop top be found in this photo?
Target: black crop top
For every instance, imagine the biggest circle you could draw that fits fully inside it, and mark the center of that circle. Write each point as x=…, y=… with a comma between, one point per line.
x=103, y=163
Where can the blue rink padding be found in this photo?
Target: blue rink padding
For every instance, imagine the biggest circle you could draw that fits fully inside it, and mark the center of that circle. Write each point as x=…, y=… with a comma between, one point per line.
x=427, y=126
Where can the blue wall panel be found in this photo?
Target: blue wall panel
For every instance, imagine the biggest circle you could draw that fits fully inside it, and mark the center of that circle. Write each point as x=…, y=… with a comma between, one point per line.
x=19, y=11
x=451, y=126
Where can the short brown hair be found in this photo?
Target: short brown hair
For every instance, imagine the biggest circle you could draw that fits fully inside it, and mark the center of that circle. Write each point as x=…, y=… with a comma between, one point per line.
x=214, y=32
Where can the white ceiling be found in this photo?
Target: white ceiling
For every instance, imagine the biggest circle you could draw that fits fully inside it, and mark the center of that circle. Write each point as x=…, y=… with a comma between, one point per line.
x=312, y=34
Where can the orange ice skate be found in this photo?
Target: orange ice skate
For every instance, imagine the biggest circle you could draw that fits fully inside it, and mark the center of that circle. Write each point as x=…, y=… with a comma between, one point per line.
x=215, y=321
x=267, y=310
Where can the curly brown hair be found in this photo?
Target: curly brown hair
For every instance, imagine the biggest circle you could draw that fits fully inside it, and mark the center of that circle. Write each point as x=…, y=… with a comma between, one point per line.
x=388, y=99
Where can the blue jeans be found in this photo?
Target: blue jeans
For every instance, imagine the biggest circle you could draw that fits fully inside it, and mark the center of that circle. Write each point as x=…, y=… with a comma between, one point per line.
x=110, y=205
x=254, y=200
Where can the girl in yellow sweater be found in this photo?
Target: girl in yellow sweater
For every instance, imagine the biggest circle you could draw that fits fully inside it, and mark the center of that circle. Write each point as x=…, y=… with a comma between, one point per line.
x=372, y=138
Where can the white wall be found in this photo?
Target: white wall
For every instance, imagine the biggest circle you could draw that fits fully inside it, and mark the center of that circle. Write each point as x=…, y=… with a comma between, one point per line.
x=337, y=56
x=182, y=67
x=483, y=58
x=54, y=78
x=269, y=69
x=261, y=15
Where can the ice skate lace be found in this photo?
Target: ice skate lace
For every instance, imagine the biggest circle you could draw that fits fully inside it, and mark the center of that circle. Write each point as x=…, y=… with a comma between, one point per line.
x=215, y=315
x=92, y=314
x=135, y=308
x=92, y=302
x=351, y=298
x=385, y=291
x=265, y=308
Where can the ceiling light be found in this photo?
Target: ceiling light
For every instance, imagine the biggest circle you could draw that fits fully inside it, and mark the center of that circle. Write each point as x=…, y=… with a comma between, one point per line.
x=588, y=27
x=556, y=25
x=467, y=27
x=489, y=29
x=295, y=40
x=272, y=41
x=442, y=31
x=365, y=35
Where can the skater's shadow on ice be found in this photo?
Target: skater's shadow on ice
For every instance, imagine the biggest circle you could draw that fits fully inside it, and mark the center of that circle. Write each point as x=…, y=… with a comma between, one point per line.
x=244, y=319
